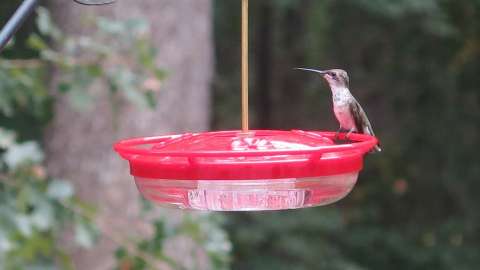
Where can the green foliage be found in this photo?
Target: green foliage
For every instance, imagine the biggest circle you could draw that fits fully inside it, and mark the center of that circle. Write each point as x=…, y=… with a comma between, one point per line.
x=124, y=63
x=30, y=92
x=208, y=237
x=34, y=209
x=117, y=53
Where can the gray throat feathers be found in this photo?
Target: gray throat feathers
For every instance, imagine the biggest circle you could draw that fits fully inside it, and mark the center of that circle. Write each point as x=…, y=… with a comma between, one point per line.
x=341, y=96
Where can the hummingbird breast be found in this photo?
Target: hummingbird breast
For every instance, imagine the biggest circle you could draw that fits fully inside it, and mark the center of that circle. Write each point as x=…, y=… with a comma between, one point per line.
x=342, y=99
x=344, y=117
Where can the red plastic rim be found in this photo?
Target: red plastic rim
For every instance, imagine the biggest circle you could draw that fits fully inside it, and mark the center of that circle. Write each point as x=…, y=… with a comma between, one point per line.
x=232, y=155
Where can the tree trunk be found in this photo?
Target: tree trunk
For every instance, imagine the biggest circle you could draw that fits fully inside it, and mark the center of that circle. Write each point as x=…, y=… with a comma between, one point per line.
x=79, y=145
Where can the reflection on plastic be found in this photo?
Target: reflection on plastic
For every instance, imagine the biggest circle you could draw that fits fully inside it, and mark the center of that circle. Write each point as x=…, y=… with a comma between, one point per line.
x=227, y=200
x=248, y=195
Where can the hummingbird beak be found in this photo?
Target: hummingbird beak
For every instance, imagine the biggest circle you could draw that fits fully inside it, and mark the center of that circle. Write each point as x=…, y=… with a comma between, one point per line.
x=312, y=70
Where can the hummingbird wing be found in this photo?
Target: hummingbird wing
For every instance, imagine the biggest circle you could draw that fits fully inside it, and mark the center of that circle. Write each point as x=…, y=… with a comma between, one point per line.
x=362, y=123
x=360, y=117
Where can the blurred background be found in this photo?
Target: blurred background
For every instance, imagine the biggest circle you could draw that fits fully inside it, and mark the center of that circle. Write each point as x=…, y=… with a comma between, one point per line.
x=77, y=78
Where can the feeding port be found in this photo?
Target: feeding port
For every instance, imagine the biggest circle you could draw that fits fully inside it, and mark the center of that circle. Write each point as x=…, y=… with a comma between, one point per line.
x=235, y=171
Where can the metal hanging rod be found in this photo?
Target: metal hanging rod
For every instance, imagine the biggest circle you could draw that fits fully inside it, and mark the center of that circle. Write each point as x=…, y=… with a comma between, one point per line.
x=16, y=21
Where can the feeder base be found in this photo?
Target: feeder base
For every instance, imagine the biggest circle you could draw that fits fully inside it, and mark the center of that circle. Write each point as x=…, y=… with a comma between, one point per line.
x=248, y=195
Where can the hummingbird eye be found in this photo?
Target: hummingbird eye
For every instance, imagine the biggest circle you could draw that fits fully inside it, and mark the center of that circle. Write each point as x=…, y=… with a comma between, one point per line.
x=333, y=75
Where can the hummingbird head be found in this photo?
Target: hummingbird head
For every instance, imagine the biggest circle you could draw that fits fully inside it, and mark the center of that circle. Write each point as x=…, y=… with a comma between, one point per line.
x=336, y=78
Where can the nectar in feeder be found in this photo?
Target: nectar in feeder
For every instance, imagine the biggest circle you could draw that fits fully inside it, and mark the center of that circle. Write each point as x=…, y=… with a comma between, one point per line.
x=234, y=171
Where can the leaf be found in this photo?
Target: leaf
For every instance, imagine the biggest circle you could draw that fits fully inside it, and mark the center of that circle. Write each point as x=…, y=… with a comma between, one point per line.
x=5, y=243
x=64, y=260
x=137, y=26
x=87, y=209
x=43, y=216
x=94, y=71
x=52, y=56
x=19, y=154
x=46, y=25
x=151, y=99
x=64, y=87
x=160, y=74
x=34, y=41
x=60, y=190
x=7, y=138
x=23, y=224
x=121, y=253
x=109, y=26
x=136, y=97
x=85, y=234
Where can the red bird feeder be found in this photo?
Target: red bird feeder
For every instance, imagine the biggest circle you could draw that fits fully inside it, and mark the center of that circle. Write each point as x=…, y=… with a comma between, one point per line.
x=245, y=170
x=234, y=171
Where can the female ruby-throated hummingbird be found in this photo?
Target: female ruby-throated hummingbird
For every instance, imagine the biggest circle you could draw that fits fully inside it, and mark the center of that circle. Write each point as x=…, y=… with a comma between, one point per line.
x=349, y=113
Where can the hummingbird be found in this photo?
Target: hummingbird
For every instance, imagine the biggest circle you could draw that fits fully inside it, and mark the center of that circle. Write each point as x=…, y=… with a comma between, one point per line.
x=349, y=113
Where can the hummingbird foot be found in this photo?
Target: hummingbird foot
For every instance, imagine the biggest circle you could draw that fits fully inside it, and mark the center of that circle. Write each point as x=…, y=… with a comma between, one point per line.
x=340, y=136
x=347, y=137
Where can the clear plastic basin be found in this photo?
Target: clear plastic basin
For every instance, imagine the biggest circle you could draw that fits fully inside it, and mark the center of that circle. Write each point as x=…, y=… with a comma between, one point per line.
x=247, y=195
x=254, y=171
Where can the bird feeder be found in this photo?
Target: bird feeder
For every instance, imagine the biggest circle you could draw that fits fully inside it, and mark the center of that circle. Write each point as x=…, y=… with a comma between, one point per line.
x=236, y=171
x=245, y=170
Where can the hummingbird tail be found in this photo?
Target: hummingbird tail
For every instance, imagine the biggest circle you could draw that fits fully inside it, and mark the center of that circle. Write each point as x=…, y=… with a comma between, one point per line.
x=376, y=149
